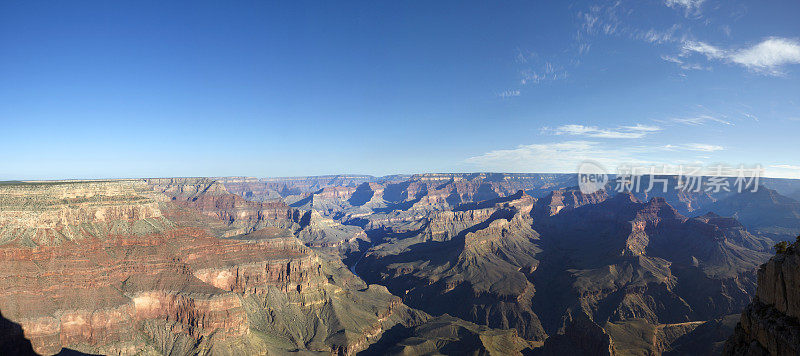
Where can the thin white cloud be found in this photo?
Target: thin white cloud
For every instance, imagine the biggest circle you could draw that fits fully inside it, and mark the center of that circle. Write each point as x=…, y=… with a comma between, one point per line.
x=547, y=72
x=596, y=20
x=601, y=19
x=566, y=156
x=726, y=30
x=553, y=157
x=637, y=131
x=706, y=49
x=672, y=59
x=751, y=116
x=533, y=71
x=590, y=19
x=584, y=47
x=699, y=147
x=658, y=36
x=509, y=93
x=614, y=19
x=783, y=171
x=611, y=19
x=522, y=56
x=785, y=166
x=691, y=7
x=682, y=63
x=701, y=120
x=768, y=56
x=642, y=128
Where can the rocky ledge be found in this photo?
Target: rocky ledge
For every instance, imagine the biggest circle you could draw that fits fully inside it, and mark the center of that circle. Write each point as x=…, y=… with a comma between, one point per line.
x=769, y=325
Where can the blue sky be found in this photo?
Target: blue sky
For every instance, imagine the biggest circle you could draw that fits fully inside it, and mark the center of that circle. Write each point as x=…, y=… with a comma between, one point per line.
x=142, y=89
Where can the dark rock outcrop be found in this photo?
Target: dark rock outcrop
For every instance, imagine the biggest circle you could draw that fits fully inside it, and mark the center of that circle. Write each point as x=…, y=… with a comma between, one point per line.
x=769, y=325
x=581, y=336
x=482, y=257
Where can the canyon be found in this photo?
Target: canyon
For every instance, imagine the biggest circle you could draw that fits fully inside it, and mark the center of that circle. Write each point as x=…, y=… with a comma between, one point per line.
x=408, y=264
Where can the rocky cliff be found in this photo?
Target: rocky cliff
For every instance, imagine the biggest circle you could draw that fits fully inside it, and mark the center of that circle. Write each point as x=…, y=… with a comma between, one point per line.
x=106, y=285
x=49, y=213
x=769, y=325
x=482, y=255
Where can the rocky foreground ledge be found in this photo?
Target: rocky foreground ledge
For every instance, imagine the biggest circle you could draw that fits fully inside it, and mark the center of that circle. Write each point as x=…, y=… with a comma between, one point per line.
x=769, y=325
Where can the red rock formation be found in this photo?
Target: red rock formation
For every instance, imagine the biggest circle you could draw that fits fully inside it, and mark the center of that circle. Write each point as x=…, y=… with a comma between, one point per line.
x=103, y=292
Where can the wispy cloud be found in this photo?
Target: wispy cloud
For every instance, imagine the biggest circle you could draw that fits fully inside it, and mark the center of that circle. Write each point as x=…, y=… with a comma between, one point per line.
x=706, y=49
x=701, y=120
x=785, y=166
x=596, y=20
x=601, y=19
x=508, y=94
x=523, y=56
x=768, y=56
x=584, y=47
x=691, y=7
x=672, y=59
x=547, y=72
x=783, y=171
x=658, y=36
x=553, y=157
x=566, y=156
x=684, y=65
x=751, y=116
x=700, y=147
x=630, y=132
x=644, y=128
x=533, y=70
x=613, y=19
x=726, y=30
